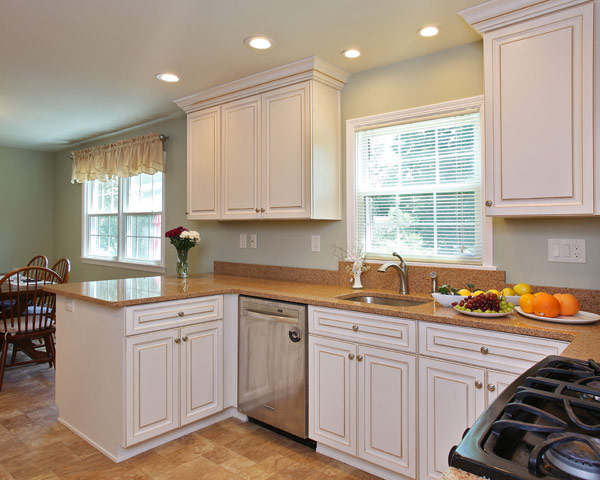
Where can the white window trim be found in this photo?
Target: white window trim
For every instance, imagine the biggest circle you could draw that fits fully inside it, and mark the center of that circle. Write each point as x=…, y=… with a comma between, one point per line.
x=414, y=114
x=102, y=261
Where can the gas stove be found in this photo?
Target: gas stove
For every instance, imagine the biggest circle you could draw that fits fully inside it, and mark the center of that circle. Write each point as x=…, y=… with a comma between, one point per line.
x=545, y=425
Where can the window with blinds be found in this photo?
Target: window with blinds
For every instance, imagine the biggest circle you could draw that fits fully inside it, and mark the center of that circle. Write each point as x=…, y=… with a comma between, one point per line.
x=418, y=189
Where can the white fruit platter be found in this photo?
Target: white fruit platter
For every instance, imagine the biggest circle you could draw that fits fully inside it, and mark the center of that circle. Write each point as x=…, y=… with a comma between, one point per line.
x=483, y=314
x=579, y=318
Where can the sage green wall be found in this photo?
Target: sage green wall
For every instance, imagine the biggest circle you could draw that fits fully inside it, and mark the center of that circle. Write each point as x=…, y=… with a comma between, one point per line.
x=26, y=210
x=519, y=246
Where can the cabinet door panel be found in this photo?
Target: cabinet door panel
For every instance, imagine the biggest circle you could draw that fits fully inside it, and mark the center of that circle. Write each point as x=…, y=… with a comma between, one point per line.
x=241, y=166
x=152, y=385
x=539, y=115
x=386, y=409
x=499, y=381
x=203, y=167
x=201, y=358
x=285, y=152
x=332, y=394
x=449, y=404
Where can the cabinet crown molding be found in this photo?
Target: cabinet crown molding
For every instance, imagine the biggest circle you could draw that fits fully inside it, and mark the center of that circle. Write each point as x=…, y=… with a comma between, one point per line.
x=311, y=68
x=499, y=13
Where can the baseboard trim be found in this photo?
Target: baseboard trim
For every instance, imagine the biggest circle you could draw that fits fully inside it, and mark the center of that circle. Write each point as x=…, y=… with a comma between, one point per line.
x=359, y=463
x=126, y=453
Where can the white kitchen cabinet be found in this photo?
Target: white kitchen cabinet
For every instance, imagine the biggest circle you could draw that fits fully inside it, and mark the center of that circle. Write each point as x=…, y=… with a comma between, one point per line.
x=362, y=399
x=201, y=364
x=496, y=383
x=539, y=107
x=204, y=164
x=153, y=384
x=386, y=409
x=280, y=150
x=174, y=377
x=450, y=402
x=241, y=179
x=332, y=391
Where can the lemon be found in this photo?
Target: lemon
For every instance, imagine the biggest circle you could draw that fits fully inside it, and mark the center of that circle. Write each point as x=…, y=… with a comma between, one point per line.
x=522, y=289
x=508, y=292
x=493, y=290
x=464, y=292
x=478, y=292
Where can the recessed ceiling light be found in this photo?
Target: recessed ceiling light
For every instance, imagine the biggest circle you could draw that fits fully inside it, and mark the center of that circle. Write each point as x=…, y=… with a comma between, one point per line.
x=167, y=77
x=429, y=31
x=260, y=43
x=351, y=53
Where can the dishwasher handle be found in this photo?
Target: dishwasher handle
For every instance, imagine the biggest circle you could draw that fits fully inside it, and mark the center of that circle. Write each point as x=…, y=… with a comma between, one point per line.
x=270, y=317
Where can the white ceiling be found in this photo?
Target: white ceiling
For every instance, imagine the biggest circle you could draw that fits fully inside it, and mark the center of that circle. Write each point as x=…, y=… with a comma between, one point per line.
x=72, y=70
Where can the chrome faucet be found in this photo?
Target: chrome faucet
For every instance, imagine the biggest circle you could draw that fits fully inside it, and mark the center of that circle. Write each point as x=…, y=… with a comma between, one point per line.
x=402, y=269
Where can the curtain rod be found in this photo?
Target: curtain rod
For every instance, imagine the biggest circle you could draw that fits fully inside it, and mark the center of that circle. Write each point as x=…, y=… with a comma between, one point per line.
x=162, y=136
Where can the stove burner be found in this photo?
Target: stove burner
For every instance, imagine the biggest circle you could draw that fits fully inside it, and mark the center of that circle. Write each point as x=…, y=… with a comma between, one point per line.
x=576, y=455
x=595, y=384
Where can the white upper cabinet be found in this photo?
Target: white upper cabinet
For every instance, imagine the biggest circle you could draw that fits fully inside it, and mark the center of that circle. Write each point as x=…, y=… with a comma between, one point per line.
x=204, y=164
x=539, y=106
x=277, y=151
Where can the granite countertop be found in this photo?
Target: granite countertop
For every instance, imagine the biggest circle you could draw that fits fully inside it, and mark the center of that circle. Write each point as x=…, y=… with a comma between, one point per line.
x=585, y=339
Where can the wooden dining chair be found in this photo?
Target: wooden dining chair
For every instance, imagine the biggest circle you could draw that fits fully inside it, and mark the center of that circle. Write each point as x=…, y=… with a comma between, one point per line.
x=63, y=268
x=31, y=316
x=38, y=261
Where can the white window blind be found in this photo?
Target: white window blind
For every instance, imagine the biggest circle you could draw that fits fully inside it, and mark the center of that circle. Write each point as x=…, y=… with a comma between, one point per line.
x=418, y=190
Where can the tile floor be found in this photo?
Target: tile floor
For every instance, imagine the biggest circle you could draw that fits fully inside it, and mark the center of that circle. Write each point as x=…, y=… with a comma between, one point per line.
x=33, y=446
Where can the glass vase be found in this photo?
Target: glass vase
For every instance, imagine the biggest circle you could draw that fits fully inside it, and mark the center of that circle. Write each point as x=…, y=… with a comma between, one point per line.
x=182, y=262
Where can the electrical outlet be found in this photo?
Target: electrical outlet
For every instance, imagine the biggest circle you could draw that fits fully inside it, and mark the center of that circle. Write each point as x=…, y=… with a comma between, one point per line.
x=243, y=238
x=253, y=240
x=70, y=305
x=315, y=243
x=566, y=250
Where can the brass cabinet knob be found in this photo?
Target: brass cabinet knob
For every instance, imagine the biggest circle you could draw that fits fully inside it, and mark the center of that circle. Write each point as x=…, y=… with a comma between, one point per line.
x=185, y=339
x=181, y=314
x=478, y=384
x=262, y=209
x=350, y=356
x=359, y=358
x=177, y=340
x=256, y=210
x=488, y=203
x=491, y=387
x=485, y=350
x=355, y=328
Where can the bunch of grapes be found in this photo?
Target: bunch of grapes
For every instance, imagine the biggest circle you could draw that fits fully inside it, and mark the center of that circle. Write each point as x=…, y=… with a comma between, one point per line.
x=485, y=303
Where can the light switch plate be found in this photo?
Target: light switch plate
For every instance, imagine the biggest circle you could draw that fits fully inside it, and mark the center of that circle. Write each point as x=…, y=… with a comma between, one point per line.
x=566, y=250
x=253, y=240
x=243, y=238
x=315, y=243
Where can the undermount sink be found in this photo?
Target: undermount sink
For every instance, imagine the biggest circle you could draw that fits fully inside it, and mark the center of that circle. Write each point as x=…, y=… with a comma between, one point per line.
x=396, y=302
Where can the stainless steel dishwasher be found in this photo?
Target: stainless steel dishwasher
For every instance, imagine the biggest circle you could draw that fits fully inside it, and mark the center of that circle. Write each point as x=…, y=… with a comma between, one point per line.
x=272, y=374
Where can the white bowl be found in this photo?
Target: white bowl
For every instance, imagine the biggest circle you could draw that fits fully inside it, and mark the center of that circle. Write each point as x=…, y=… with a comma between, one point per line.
x=447, y=300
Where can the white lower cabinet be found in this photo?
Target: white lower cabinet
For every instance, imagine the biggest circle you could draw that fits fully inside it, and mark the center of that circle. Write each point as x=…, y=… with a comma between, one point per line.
x=173, y=377
x=362, y=401
x=450, y=402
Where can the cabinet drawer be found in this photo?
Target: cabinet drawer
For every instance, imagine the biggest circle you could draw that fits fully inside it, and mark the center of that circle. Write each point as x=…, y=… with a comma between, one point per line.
x=378, y=330
x=158, y=316
x=503, y=351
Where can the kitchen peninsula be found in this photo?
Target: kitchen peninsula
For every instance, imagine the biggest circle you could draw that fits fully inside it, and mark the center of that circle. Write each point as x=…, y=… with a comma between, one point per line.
x=150, y=332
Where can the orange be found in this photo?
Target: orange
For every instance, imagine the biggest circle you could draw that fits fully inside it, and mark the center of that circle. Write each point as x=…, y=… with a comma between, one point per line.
x=569, y=305
x=526, y=302
x=540, y=293
x=546, y=305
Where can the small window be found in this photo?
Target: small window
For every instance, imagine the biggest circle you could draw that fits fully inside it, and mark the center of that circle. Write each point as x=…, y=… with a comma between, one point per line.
x=417, y=185
x=123, y=221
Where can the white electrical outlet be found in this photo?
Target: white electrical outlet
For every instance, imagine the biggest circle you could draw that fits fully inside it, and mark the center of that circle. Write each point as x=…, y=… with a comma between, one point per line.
x=70, y=305
x=243, y=238
x=253, y=240
x=566, y=250
x=315, y=243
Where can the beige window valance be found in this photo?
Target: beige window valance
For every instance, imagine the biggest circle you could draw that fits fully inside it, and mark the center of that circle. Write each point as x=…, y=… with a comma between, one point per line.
x=124, y=158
